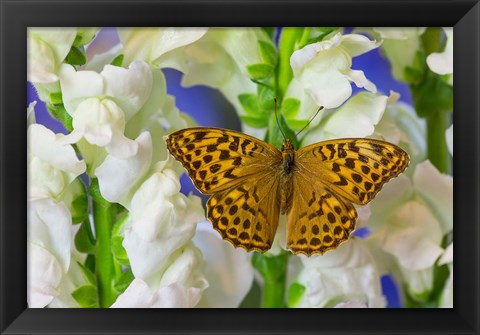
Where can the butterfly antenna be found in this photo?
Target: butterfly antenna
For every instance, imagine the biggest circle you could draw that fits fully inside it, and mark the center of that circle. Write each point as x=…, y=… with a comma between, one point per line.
x=276, y=118
x=321, y=107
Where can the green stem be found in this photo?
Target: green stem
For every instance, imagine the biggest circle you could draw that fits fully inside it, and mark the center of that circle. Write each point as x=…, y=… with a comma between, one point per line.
x=274, y=272
x=286, y=46
x=437, y=150
x=104, y=216
x=274, y=293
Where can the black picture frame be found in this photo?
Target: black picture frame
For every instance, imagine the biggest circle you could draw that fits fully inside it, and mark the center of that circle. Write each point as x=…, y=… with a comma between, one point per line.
x=16, y=16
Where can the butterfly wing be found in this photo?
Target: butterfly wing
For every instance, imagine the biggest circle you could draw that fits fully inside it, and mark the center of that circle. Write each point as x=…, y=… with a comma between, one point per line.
x=247, y=214
x=242, y=174
x=355, y=169
x=217, y=159
x=329, y=176
x=318, y=220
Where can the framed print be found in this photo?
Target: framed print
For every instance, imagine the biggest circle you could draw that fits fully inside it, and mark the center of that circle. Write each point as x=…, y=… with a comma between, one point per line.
x=239, y=167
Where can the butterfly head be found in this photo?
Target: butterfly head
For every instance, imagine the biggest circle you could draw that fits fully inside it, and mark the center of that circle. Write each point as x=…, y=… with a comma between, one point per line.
x=287, y=146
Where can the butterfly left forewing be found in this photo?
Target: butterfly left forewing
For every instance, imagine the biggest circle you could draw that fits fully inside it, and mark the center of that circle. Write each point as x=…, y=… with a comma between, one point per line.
x=217, y=159
x=355, y=169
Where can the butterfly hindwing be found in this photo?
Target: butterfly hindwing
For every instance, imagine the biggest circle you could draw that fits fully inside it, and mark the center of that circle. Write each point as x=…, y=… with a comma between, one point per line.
x=355, y=169
x=247, y=214
x=217, y=159
x=317, y=220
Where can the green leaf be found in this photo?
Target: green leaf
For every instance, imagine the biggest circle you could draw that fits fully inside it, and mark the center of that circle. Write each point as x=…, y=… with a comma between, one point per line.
x=118, y=61
x=259, y=121
x=118, y=251
x=84, y=36
x=96, y=194
x=440, y=277
x=124, y=281
x=79, y=208
x=295, y=294
x=260, y=71
x=275, y=136
x=84, y=241
x=268, y=52
x=90, y=262
x=290, y=107
x=319, y=34
x=86, y=296
x=266, y=99
x=419, y=69
x=270, y=31
x=76, y=56
x=249, y=103
x=60, y=113
x=432, y=95
x=56, y=98
x=88, y=274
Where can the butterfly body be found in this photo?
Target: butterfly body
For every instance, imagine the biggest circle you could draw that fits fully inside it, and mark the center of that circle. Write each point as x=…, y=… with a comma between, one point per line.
x=286, y=178
x=251, y=183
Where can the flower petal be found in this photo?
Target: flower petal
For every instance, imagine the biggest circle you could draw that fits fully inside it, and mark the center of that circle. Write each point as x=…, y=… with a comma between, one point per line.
x=139, y=295
x=49, y=227
x=442, y=62
x=44, y=274
x=228, y=270
x=117, y=177
x=152, y=43
x=436, y=190
x=415, y=240
x=356, y=118
x=46, y=49
x=344, y=274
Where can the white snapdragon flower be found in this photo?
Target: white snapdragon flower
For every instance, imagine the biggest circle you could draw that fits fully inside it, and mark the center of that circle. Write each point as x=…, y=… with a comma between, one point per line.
x=158, y=46
x=118, y=177
x=228, y=270
x=53, y=168
x=409, y=219
x=442, y=62
x=71, y=281
x=46, y=49
x=161, y=221
x=101, y=104
x=52, y=165
x=210, y=57
x=341, y=276
x=139, y=295
x=324, y=68
x=400, y=46
x=400, y=125
x=446, y=299
x=356, y=118
x=48, y=250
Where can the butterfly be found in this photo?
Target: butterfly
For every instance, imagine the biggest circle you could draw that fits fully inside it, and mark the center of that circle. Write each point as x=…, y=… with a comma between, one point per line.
x=251, y=183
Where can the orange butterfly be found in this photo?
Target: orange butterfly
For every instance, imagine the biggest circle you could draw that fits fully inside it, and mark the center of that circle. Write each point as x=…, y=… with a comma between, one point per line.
x=252, y=182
